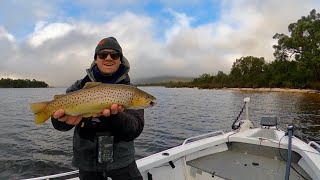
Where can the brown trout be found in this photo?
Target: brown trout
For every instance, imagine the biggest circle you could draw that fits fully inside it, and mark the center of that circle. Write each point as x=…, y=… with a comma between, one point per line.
x=93, y=98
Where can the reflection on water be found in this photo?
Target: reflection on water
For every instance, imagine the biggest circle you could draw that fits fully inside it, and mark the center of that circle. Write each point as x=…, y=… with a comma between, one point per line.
x=29, y=150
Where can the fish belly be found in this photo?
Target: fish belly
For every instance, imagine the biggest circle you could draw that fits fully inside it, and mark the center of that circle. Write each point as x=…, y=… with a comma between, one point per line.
x=82, y=109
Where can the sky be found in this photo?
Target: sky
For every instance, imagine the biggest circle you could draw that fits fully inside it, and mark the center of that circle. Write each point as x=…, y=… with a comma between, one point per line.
x=54, y=41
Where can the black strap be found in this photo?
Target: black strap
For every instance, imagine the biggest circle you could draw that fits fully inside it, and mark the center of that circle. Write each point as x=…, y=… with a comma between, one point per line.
x=150, y=176
x=171, y=164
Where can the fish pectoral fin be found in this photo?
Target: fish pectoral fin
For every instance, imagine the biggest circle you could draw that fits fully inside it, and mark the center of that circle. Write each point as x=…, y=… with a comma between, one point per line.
x=88, y=115
x=91, y=85
x=58, y=96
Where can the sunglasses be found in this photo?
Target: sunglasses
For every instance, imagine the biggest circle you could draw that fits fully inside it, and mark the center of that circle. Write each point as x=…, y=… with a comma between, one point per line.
x=114, y=55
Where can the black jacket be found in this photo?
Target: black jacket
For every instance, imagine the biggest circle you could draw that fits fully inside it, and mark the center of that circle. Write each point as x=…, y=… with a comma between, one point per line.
x=125, y=127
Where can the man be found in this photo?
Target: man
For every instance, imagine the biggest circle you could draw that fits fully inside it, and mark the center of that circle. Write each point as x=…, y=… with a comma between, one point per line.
x=103, y=145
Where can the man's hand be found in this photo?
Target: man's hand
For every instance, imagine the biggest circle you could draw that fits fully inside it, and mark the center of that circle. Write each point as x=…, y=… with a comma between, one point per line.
x=72, y=120
x=115, y=109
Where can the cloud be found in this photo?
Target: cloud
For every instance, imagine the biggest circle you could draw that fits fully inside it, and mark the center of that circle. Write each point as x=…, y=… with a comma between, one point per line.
x=181, y=21
x=5, y=35
x=43, y=33
x=255, y=22
x=16, y=15
x=8, y=49
x=58, y=51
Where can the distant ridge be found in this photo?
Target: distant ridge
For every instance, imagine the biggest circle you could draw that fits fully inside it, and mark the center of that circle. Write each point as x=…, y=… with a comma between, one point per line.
x=162, y=79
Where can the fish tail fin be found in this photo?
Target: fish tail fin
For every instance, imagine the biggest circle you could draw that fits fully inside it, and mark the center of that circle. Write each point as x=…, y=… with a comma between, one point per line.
x=37, y=107
x=40, y=112
x=41, y=117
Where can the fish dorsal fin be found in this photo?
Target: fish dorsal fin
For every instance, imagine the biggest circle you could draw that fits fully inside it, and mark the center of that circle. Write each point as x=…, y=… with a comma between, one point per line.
x=58, y=96
x=92, y=84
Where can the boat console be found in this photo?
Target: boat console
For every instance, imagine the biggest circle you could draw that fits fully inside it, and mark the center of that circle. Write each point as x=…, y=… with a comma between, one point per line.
x=269, y=122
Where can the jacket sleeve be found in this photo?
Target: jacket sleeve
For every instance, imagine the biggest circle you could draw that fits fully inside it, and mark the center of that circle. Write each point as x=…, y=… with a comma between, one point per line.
x=127, y=125
x=62, y=126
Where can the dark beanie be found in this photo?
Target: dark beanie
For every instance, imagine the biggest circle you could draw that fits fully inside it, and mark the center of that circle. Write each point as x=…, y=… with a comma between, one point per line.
x=107, y=43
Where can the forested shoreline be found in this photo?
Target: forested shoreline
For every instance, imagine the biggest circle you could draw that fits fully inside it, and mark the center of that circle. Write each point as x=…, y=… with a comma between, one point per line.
x=22, y=83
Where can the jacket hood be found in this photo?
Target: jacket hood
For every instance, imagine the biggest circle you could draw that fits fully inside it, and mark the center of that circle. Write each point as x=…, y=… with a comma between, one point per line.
x=124, y=75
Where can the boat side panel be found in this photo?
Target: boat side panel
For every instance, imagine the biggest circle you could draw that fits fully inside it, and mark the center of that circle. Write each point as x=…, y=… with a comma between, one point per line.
x=158, y=159
x=307, y=168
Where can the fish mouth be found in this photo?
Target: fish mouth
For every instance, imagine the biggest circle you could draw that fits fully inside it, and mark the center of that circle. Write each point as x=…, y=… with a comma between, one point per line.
x=152, y=103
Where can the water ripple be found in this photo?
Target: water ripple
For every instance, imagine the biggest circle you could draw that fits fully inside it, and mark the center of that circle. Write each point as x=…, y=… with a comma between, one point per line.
x=29, y=150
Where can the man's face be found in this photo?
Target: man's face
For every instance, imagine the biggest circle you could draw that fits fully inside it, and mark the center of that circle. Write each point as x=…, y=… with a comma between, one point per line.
x=107, y=64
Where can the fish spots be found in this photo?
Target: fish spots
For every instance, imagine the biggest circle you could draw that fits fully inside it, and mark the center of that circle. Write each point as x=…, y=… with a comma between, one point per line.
x=97, y=98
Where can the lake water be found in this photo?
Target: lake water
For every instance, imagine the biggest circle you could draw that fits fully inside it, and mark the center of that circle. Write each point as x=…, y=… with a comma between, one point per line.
x=28, y=150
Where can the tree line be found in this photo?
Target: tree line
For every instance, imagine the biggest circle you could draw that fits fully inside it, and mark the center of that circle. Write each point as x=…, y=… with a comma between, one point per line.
x=21, y=83
x=296, y=63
